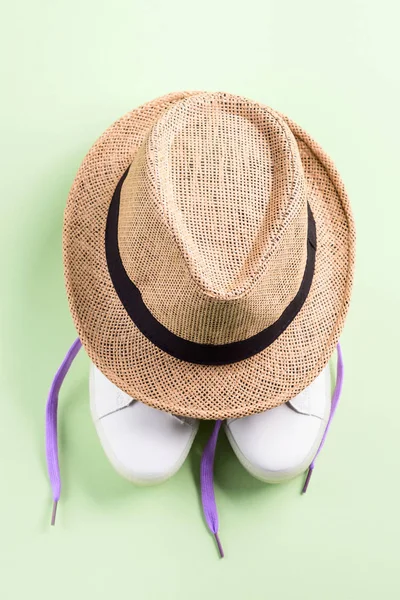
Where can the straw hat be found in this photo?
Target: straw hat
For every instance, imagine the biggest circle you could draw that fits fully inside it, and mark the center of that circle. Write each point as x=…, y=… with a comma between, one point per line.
x=208, y=253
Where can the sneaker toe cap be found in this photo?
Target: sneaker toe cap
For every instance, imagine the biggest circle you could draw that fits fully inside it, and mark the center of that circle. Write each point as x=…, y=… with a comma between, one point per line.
x=143, y=444
x=280, y=443
x=276, y=445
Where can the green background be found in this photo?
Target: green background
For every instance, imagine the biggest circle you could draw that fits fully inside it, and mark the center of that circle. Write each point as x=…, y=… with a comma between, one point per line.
x=69, y=69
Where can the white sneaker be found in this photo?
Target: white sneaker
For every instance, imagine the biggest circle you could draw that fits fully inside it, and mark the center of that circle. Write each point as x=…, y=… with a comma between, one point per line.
x=143, y=444
x=280, y=443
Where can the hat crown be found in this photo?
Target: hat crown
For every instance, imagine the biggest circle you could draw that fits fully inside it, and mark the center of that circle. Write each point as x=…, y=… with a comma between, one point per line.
x=227, y=179
x=215, y=202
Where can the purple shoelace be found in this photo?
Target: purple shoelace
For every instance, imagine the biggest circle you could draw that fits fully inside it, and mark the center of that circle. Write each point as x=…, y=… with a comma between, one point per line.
x=207, y=485
x=207, y=460
x=51, y=426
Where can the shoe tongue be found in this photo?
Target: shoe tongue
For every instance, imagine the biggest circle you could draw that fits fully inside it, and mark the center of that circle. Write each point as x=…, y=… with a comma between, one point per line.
x=107, y=397
x=314, y=398
x=184, y=420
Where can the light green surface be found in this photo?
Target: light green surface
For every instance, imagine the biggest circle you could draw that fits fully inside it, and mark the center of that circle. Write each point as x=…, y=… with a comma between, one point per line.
x=69, y=69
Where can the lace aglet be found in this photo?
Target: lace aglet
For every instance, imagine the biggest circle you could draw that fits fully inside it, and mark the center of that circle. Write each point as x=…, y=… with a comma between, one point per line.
x=219, y=545
x=307, y=481
x=54, y=513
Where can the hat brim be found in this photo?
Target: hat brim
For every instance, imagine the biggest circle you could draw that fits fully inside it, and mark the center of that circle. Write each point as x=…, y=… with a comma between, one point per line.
x=146, y=373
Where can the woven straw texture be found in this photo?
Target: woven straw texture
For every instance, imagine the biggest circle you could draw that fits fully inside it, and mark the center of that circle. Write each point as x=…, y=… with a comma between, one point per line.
x=213, y=231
